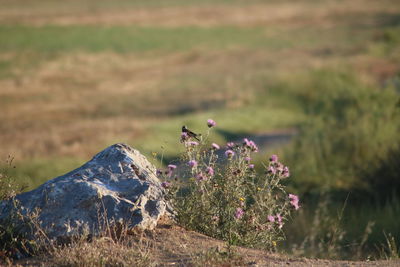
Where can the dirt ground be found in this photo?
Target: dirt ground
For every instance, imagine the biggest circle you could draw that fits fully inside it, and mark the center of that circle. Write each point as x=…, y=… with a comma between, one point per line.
x=177, y=247
x=171, y=245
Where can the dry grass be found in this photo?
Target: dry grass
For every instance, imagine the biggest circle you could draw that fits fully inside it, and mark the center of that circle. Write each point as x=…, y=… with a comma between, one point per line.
x=73, y=103
x=171, y=245
x=76, y=104
x=253, y=13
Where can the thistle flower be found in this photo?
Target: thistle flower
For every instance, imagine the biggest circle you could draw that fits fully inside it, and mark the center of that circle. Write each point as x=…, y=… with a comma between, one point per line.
x=271, y=218
x=250, y=144
x=215, y=146
x=192, y=143
x=271, y=170
x=171, y=167
x=285, y=172
x=239, y=213
x=184, y=137
x=247, y=159
x=273, y=158
x=229, y=153
x=210, y=171
x=165, y=184
x=251, y=166
x=279, y=219
x=253, y=146
x=230, y=145
x=200, y=177
x=211, y=123
x=279, y=167
x=192, y=163
x=294, y=200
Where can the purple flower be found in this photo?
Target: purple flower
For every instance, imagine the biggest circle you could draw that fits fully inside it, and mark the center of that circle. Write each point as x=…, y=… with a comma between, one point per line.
x=229, y=153
x=200, y=177
x=246, y=142
x=294, y=200
x=230, y=145
x=192, y=163
x=239, y=213
x=271, y=218
x=247, y=159
x=250, y=144
x=279, y=219
x=184, y=136
x=273, y=158
x=254, y=147
x=210, y=171
x=215, y=146
x=285, y=172
x=211, y=123
x=251, y=166
x=165, y=184
x=171, y=167
x=192, y=143
x=159, y=172
x=271, y=170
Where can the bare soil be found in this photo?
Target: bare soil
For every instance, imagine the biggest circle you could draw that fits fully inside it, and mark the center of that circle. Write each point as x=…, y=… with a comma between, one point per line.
x=176, y=246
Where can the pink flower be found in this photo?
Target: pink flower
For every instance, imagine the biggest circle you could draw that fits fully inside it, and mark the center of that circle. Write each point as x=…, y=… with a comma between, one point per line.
x=184, y=137
x=271, y=170
x=211, y=123
x=165, y=184
x=171, y=167
x=192, y=163
x=210, y=171
x=280, y=222
x=285, y=172
x=200, y=177
x=230, y=145
x=192, y=143
x=250, y=144
x=271, y=218
x=273, y=158
x=251, y=166
x=215, y=146
x=239, y=213
x=229, y=153
x=294, y=200
x=247, y=159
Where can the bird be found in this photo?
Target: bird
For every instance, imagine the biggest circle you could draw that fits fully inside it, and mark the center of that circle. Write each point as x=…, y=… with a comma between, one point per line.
x=190, y=133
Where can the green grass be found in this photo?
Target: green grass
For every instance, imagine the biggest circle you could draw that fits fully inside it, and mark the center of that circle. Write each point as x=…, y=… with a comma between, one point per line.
x=124, y=39
x=335, y=79
x=31, y=174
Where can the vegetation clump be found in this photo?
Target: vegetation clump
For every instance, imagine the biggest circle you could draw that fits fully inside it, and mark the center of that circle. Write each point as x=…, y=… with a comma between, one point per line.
x=220, y=192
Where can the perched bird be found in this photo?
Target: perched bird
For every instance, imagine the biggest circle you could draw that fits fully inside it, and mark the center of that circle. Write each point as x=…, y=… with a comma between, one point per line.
x=190, y=133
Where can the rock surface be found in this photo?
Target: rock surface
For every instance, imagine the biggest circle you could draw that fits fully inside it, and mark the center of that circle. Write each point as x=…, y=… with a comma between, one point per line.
x=119, y=184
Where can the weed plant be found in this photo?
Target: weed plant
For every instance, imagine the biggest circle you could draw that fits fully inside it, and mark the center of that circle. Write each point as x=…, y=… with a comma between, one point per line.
x=221, y=194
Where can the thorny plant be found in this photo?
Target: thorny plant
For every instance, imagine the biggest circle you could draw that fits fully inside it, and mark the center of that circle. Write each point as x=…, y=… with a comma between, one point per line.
x=218, y=191
x=14, y=241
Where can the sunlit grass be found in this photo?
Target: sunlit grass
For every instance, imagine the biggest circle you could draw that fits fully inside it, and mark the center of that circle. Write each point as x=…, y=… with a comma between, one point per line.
x=30, y=174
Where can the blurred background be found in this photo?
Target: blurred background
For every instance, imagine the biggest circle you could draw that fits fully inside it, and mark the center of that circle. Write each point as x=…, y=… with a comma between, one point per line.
x=315, y=81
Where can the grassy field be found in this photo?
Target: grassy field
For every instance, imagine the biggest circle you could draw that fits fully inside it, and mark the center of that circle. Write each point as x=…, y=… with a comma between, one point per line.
x=77, y=76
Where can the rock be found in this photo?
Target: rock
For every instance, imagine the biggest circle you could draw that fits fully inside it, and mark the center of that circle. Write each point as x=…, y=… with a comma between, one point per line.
x=118, y=184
